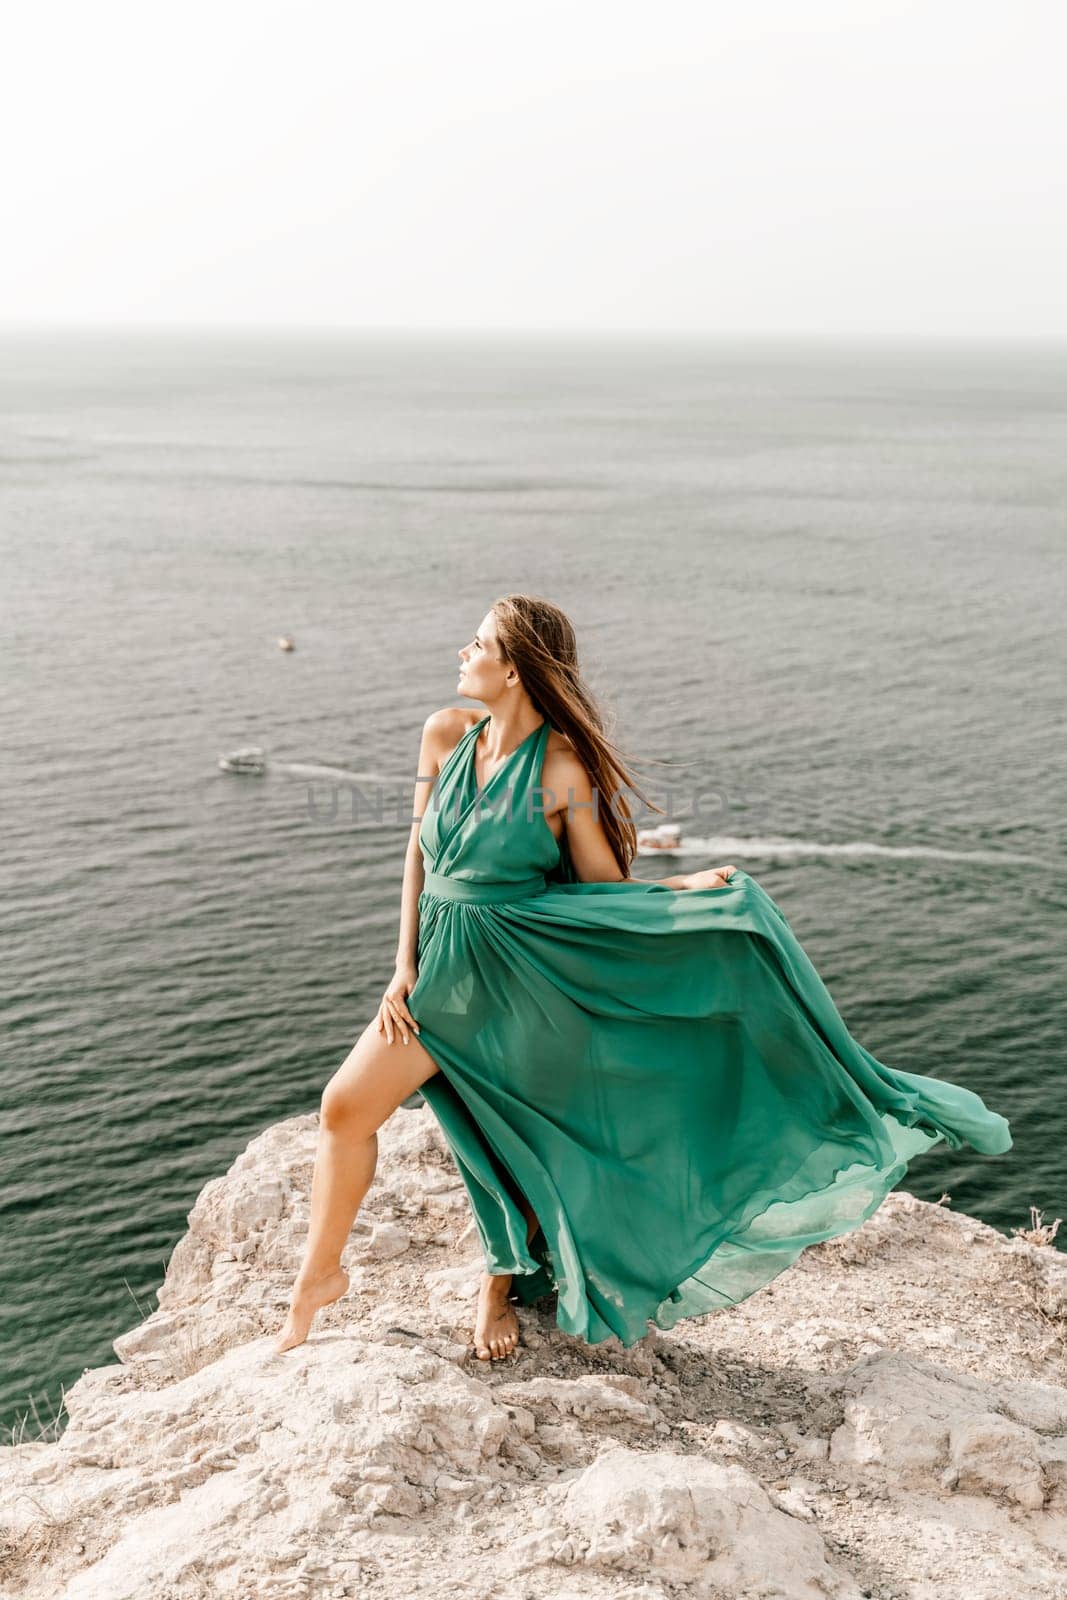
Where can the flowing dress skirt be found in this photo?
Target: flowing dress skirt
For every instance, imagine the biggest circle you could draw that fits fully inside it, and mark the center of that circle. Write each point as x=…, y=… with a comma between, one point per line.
x=661, y=1072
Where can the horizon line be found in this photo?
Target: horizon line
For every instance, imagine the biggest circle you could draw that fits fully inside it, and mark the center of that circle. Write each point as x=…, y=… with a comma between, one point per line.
x=528, y=332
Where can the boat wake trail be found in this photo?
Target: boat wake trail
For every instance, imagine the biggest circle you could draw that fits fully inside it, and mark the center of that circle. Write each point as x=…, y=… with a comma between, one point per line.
x=321, y=774
x=727, y=846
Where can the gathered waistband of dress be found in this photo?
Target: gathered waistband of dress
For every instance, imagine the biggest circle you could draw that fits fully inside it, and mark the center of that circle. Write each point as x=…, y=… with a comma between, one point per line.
x=446, y=888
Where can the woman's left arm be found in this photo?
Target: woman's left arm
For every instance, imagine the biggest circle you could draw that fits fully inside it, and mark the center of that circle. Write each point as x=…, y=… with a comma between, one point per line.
x=590, y=849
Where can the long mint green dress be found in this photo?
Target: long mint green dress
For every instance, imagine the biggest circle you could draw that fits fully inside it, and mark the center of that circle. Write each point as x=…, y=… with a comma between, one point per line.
x=661, y=1072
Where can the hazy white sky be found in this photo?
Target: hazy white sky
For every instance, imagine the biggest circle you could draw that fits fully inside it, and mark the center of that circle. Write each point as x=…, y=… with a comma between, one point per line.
x=782, y=166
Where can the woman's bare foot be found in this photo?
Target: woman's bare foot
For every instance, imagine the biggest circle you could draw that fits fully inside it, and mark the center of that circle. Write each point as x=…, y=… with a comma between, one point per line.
x=307, y=1299
x=496, y=1327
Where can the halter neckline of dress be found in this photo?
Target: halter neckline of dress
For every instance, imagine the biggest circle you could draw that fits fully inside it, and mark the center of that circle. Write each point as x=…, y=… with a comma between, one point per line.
x=480, y=724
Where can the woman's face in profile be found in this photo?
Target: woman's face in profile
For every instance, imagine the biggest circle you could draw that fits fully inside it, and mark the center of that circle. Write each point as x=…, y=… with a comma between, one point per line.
x=480, y=665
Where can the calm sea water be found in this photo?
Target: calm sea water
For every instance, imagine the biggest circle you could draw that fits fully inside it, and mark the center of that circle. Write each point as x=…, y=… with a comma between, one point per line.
x=826, y=583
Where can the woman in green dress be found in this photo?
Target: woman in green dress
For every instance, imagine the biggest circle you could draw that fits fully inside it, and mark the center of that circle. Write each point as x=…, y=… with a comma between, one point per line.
x=652, y=1100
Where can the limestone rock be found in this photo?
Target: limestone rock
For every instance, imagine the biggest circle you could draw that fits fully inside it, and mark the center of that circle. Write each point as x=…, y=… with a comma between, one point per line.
x=885, y=1419
x=921, y=1422
x=696, y=1521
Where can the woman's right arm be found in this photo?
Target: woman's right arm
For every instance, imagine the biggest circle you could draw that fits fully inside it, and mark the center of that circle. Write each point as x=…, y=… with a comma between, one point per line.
x=393, y=1013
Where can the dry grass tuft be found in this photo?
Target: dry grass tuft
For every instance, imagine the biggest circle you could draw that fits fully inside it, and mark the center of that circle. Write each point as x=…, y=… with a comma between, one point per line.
x=1038, y=1232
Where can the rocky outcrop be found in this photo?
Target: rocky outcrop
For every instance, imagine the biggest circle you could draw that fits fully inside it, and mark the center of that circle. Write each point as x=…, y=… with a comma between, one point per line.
x=886, y=1419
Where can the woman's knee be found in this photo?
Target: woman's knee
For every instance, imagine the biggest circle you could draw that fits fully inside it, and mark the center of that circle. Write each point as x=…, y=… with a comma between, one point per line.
x=371, y=1082
x=342, y=1109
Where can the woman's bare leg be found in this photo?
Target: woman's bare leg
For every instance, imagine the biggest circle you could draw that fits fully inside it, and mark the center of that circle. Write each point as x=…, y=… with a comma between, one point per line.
x=365, y=1090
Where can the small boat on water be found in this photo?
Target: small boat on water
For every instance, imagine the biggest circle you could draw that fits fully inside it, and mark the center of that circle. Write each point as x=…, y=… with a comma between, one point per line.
x=286, y=642
x=249, y=759
x=667, y=836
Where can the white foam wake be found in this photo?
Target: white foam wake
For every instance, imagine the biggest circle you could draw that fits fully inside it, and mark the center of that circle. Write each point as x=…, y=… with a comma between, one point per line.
x=722, y=847
x=321, y=774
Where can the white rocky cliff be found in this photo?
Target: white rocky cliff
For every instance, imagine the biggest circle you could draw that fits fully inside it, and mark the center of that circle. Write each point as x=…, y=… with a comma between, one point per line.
x=886, y=1419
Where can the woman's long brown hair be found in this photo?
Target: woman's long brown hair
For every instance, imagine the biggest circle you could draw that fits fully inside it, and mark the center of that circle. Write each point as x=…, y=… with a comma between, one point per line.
x=539, y=640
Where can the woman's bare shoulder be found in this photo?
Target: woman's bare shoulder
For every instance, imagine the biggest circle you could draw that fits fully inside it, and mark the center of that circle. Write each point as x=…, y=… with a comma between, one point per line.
x=451, y=720
x=443, y=730
x=562, y=762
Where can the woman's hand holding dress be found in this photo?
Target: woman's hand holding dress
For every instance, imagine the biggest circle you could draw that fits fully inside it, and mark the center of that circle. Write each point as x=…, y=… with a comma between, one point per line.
x=713, y=878
x=393, y=1012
